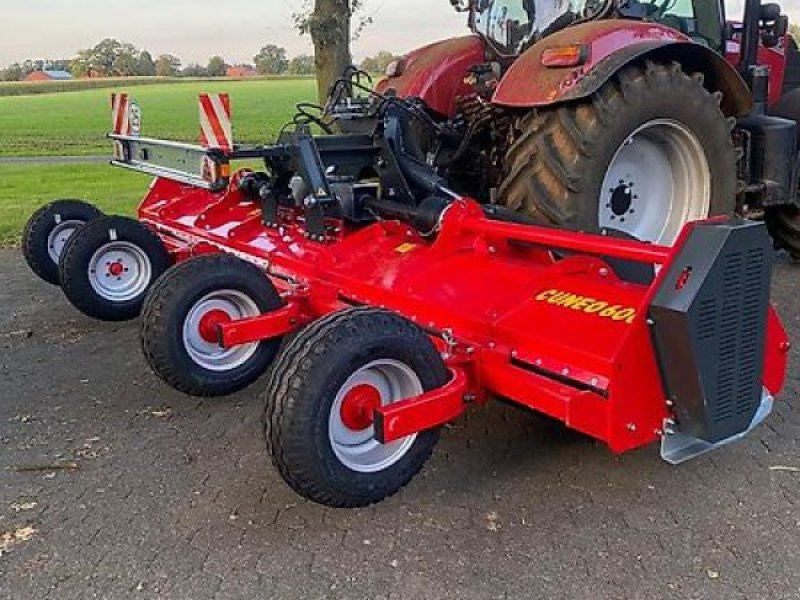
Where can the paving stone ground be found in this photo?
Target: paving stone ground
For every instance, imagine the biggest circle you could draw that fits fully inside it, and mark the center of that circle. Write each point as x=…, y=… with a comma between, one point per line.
x=174, y=497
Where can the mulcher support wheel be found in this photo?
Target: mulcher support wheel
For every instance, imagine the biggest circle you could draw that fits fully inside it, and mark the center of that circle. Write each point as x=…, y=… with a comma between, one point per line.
x=108, y=266
x=648, y=152
x=180, y=318
x=48, y=231
x=320, y=397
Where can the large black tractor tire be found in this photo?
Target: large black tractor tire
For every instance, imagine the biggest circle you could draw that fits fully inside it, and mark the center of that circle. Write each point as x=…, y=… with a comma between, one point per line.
x=308, y=423
x=570, y=165
x=109, y=265
x=179, y=347
x=784, y=221
x=48, y=231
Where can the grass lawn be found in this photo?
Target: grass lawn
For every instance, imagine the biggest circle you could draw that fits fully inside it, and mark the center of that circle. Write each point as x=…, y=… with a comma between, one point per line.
x=77, y=123
x=23, y=188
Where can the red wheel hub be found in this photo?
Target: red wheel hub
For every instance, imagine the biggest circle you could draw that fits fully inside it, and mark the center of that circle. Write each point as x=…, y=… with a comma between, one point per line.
x=116, y=269
x=210, y=322
x=358, y=407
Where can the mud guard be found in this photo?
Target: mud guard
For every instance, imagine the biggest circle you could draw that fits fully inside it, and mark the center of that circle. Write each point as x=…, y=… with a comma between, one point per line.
x=611, y=45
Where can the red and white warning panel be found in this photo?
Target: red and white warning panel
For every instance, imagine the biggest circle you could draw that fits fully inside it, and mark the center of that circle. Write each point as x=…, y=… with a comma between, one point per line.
x=216, y=129
x=206, y=165
x=126, y=115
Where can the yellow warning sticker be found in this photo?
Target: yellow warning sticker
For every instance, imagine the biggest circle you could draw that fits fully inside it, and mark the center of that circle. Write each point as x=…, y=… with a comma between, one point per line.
x=588, y=305
x=405, y=248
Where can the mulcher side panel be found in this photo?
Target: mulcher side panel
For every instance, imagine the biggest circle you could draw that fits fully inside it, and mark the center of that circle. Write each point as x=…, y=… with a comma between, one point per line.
x=710, y=318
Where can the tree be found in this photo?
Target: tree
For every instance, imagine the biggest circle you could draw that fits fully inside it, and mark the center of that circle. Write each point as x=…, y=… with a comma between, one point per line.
x=271, y=60
x=795, y=31
x=377, y=63
x=330, y=25
x=167, y=65
x=217, y=67
x=126, y=62
x=81, y=64
x=302, y=65
x=194, y=70
x=147, y=66
x=12, y=73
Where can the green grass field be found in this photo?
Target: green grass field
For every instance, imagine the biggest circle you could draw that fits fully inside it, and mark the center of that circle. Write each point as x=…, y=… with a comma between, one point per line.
x=77, y=123
x=23, y=188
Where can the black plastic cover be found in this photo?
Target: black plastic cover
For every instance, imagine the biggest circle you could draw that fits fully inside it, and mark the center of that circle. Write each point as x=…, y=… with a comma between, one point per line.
x=709, y=326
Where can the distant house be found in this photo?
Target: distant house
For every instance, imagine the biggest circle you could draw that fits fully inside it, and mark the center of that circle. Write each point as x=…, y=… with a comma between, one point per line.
x=241, y=72
x=49, y=76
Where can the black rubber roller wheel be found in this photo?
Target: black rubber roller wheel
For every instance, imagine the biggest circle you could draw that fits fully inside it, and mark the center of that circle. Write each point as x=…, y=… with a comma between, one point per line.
x=48, y=231
x=180, y=319
x=109, y=265
x=650, y=151
x=320, y=398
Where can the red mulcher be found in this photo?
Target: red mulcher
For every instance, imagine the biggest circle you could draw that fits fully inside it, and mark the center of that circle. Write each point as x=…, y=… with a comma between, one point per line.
x=396, y=316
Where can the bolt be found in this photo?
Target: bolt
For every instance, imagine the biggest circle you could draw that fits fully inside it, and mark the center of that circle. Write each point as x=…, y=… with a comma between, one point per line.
x=565, y=372
x=651, y=323
x=631, y=427
x=594, y=382
x=670, y=403
x=603, y=272
x=492, y=345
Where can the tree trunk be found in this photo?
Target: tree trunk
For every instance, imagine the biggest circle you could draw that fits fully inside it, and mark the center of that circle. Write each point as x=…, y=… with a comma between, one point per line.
x=330, y=28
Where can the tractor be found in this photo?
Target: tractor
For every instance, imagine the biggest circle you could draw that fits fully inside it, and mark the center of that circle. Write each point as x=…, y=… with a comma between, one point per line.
x=629, y=117
x=403, y=267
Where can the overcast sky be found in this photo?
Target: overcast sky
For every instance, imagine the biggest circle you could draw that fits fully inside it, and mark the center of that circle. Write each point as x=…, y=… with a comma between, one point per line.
x=196, y=29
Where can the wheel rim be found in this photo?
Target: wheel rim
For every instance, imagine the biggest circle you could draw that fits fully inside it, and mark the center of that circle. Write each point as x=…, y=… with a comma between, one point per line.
x=120, y=271
x=200, y=325
x=59, y=237
x=658, y=180
x=350, y=427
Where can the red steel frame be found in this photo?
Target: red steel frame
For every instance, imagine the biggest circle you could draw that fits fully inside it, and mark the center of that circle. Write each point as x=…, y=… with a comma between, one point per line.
x=481, y=290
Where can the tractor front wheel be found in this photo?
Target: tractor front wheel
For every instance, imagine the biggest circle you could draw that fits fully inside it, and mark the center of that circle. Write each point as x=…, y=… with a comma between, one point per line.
x=180, y=318
x=650, y=151
x=320, y=399
x=108, y=266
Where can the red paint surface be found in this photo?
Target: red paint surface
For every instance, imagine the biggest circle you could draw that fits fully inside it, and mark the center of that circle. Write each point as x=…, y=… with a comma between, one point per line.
x=436, y=73
x=598, y=375
x=528, y=83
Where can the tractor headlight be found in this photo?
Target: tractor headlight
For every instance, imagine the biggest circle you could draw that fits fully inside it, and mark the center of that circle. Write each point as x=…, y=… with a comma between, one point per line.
x=395, y=68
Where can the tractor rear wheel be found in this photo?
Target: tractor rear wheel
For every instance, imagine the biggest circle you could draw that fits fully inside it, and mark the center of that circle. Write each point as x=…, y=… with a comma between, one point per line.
x=650, y=151
x=784, y=221
x=48, y=231
x=320, y=398
x=179, y=325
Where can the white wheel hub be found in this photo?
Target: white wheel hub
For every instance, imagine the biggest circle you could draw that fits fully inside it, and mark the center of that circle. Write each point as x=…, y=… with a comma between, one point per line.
x=199, y=330
x=350, y=426
x=59, y=237
x=658, y=181
x=120, y=271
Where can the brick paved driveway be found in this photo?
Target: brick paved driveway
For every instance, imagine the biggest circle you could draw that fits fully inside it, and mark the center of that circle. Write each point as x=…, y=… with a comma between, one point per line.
x=175, y=498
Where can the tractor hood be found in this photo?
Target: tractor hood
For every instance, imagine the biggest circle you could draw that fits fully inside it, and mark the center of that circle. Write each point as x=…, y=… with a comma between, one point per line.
x=436, y=73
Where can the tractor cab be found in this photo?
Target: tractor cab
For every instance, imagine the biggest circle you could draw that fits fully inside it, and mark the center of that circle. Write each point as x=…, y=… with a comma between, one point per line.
x=512, y=26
